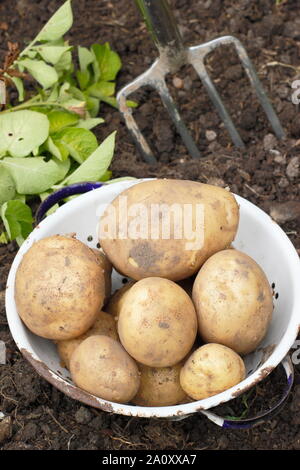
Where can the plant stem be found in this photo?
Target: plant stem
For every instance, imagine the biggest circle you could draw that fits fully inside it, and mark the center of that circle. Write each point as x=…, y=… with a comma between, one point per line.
x=31, y=103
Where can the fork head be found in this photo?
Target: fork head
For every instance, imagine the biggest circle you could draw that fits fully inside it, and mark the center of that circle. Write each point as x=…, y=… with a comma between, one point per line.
x=172, y=56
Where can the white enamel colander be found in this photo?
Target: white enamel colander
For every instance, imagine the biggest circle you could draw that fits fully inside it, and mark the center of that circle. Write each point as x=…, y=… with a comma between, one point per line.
x=258, y=236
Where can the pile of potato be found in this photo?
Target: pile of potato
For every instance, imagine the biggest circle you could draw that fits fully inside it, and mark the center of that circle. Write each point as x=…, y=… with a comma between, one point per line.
x=177, y=330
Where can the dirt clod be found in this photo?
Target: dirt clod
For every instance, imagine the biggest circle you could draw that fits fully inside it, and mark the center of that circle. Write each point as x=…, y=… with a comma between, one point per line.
x=83, y=415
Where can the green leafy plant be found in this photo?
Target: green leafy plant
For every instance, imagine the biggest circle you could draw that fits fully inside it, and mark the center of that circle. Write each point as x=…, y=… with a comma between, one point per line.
x=46, y=140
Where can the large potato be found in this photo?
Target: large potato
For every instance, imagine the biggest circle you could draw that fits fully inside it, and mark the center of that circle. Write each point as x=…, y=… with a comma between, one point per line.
x=233, y=300
x=107, y=267
x=59, y=288
x=101, y=366
x=157, y=323
x=160, y=386
x=104, y=325
x=133, y=231
x=210, y=370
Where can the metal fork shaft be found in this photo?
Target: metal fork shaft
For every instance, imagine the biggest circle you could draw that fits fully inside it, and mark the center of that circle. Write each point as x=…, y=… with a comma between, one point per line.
x=163, y=29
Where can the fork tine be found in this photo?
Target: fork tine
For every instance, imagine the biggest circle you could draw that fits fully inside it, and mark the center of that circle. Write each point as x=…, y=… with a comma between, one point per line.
x=154, y=77
x=198, y=53
x=139, y=139
x=172, y=109
x=260, y=92
x=198, y=64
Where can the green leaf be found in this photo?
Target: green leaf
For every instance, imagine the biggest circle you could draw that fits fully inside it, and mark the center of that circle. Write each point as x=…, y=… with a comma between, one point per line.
x=20, y=197
x=111, y=100
x=33, y=175
x=58, y=24
x=107, y=175
x=17, y=219
x=19, y=86
x=43, y=73
x=52, y=54
x=93, y=105
x=80, y=142
x=131, y=104
x=83, y=78
x=3, y=238
x=101, y=89
x=108, y=61
x=89, y=123
x=85, y=58
x=76, y=93
x=54, y=93
x=7, y=185
x=65, y=63
x=22, y=131
x=96, y=165
x=60, y=119
x=56, y=149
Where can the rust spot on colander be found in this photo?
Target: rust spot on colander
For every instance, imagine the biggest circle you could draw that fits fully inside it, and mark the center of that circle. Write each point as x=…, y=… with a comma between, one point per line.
x=262, y=375
x=69, y=389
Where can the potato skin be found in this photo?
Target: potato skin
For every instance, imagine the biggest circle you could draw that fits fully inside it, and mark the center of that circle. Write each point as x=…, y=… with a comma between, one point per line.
x=233, y=300
x=160, y=386
x=157, y=323
x=104, y=325
x=107, y=267
x=101, y=366
x=59, y=288
x=210, y=370
x=170, y=258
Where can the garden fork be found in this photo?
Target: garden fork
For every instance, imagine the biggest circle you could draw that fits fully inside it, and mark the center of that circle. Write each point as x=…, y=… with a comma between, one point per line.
x=172, y=56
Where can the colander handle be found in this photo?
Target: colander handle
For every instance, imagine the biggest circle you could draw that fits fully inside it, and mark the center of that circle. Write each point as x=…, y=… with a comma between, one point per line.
x=251, y=422
x=63, y=193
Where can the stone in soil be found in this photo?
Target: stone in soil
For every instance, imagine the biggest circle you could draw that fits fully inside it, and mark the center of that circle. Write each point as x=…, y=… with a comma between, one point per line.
x=83, y=415
x=293, y=168
x=285, y=211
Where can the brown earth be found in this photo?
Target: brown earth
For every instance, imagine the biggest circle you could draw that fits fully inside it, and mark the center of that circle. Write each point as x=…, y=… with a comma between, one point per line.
x=267, y=173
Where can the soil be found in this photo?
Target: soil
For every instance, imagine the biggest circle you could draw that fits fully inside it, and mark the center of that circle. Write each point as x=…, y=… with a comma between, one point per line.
x=266, y=173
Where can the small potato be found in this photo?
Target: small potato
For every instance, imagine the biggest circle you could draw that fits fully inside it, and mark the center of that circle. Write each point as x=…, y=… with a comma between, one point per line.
x=104, y=325
x=160, y=386
x=59, y=288
x=167, y=228
x=157, y=322
x=233, y=300
x=107, y=266
x=101, y=366
x=116, y=301
x=210, y=370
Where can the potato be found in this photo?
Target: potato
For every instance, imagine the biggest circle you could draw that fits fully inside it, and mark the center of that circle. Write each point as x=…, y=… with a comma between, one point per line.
x=104, y=325
x=101, y=366
x=210, y=370
x=116, y=300
x=133, y=231
x=59, y=288
x=107, y=267
x=157, y=322
x=160, y=386
x=233, y=300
